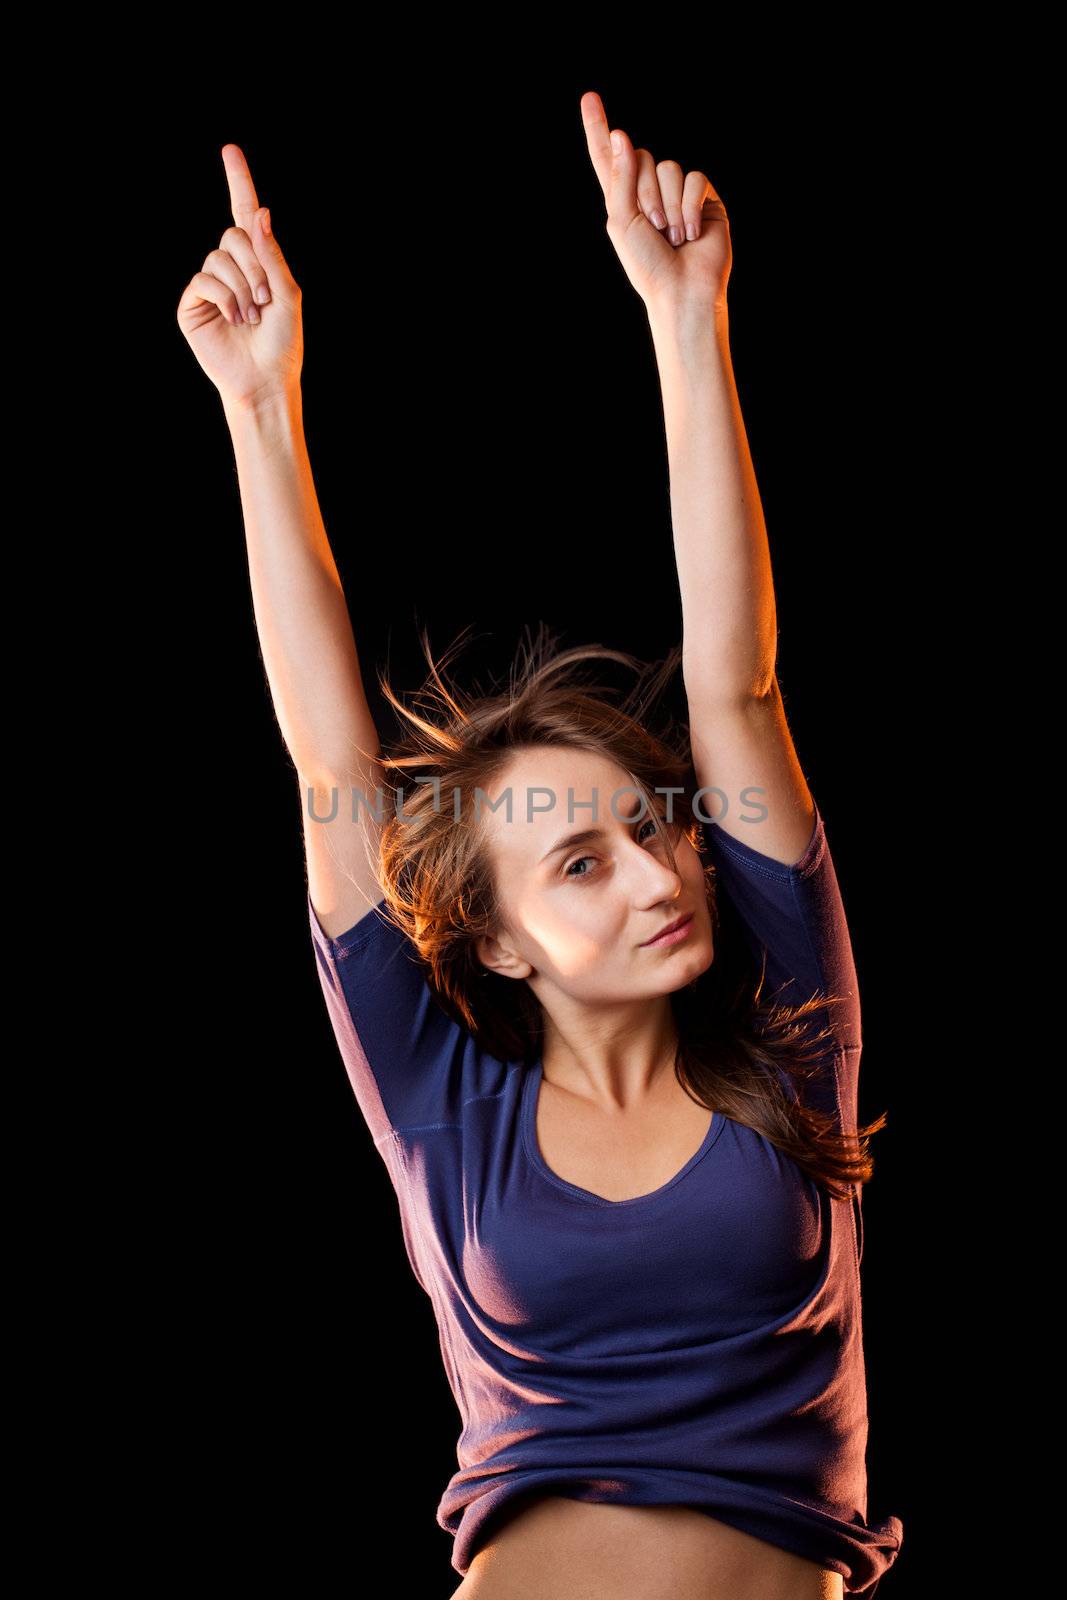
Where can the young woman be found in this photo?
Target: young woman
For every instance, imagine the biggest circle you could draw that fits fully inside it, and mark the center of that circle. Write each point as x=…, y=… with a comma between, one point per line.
x=611, y=1065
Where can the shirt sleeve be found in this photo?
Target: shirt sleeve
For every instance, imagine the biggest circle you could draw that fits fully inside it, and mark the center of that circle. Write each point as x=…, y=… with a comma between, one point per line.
x=402, y=1051
x=796, y=915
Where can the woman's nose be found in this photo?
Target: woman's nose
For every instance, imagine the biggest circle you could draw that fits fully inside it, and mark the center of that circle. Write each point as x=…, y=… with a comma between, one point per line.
x=662, y=883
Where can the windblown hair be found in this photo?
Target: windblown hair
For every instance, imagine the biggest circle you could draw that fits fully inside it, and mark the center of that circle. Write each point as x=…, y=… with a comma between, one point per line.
x=740, y=1053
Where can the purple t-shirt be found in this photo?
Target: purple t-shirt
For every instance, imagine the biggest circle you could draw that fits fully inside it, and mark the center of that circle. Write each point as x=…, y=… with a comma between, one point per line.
x=700, y=1345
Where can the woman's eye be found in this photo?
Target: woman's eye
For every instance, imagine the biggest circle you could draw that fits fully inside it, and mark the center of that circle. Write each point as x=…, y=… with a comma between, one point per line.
x=570, y=872
x=648, y=823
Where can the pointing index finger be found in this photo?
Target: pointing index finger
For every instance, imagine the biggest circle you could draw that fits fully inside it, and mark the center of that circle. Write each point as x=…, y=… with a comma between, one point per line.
x=598, y=137
x=243, y=201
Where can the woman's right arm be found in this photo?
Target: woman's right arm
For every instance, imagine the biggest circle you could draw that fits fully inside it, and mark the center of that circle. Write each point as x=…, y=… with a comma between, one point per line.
x=310, y=657
x=254, y=356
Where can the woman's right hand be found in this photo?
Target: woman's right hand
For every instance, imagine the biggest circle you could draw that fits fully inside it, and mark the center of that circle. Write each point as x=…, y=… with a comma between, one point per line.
x=241, y=312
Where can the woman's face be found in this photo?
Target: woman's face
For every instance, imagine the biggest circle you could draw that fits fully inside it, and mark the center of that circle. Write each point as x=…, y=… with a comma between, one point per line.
x=579, y=913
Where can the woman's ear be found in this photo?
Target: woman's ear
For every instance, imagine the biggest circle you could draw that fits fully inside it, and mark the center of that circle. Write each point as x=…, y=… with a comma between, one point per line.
x=493, y=956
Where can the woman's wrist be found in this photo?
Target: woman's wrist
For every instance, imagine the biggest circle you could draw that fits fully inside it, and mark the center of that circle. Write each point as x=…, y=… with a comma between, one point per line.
x=269, y=415
x=688, y=321
x=692, y=344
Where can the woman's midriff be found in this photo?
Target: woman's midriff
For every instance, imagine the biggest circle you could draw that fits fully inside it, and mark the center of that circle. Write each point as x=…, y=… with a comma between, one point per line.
x=552, y=1548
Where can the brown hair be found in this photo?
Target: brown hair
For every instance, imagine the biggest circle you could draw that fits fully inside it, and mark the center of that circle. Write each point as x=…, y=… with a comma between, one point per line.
x=739, y=1053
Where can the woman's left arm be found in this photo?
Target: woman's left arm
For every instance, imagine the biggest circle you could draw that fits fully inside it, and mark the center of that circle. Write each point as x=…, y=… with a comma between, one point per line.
x=672, y=235
x=729, y=622
x=742, y=746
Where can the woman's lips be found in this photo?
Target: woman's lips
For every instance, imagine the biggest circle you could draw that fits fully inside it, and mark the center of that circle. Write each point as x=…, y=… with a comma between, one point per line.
x=670, y=935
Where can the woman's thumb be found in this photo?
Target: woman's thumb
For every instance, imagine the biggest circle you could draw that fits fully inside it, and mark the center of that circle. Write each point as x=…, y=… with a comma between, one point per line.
x=269, y=251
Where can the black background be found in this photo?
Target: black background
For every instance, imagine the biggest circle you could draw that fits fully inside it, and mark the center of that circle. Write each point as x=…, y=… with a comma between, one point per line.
x=484, y=421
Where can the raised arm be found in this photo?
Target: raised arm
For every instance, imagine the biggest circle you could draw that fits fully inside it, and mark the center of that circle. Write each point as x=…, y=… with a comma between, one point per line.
x=253, y=354
x=672, y=235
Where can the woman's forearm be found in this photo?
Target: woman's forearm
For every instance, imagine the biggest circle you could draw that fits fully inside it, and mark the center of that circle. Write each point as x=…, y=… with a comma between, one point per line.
x=305, y=633
x=720, y=539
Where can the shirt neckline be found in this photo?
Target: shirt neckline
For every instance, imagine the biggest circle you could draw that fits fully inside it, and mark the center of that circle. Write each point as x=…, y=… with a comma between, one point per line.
x=531, y=1091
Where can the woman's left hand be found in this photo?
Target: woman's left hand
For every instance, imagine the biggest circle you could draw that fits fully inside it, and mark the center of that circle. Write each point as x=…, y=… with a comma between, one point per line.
x=670, y=229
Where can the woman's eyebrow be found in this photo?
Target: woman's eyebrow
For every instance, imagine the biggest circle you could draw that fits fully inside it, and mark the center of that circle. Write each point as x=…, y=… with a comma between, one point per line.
x=587, y=835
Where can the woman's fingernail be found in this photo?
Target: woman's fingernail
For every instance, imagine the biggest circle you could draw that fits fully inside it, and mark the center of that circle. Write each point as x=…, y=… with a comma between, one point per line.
x=253, y=314
x=658, y=219
x=690, y=230
x=263, y=294
x=676, y=235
